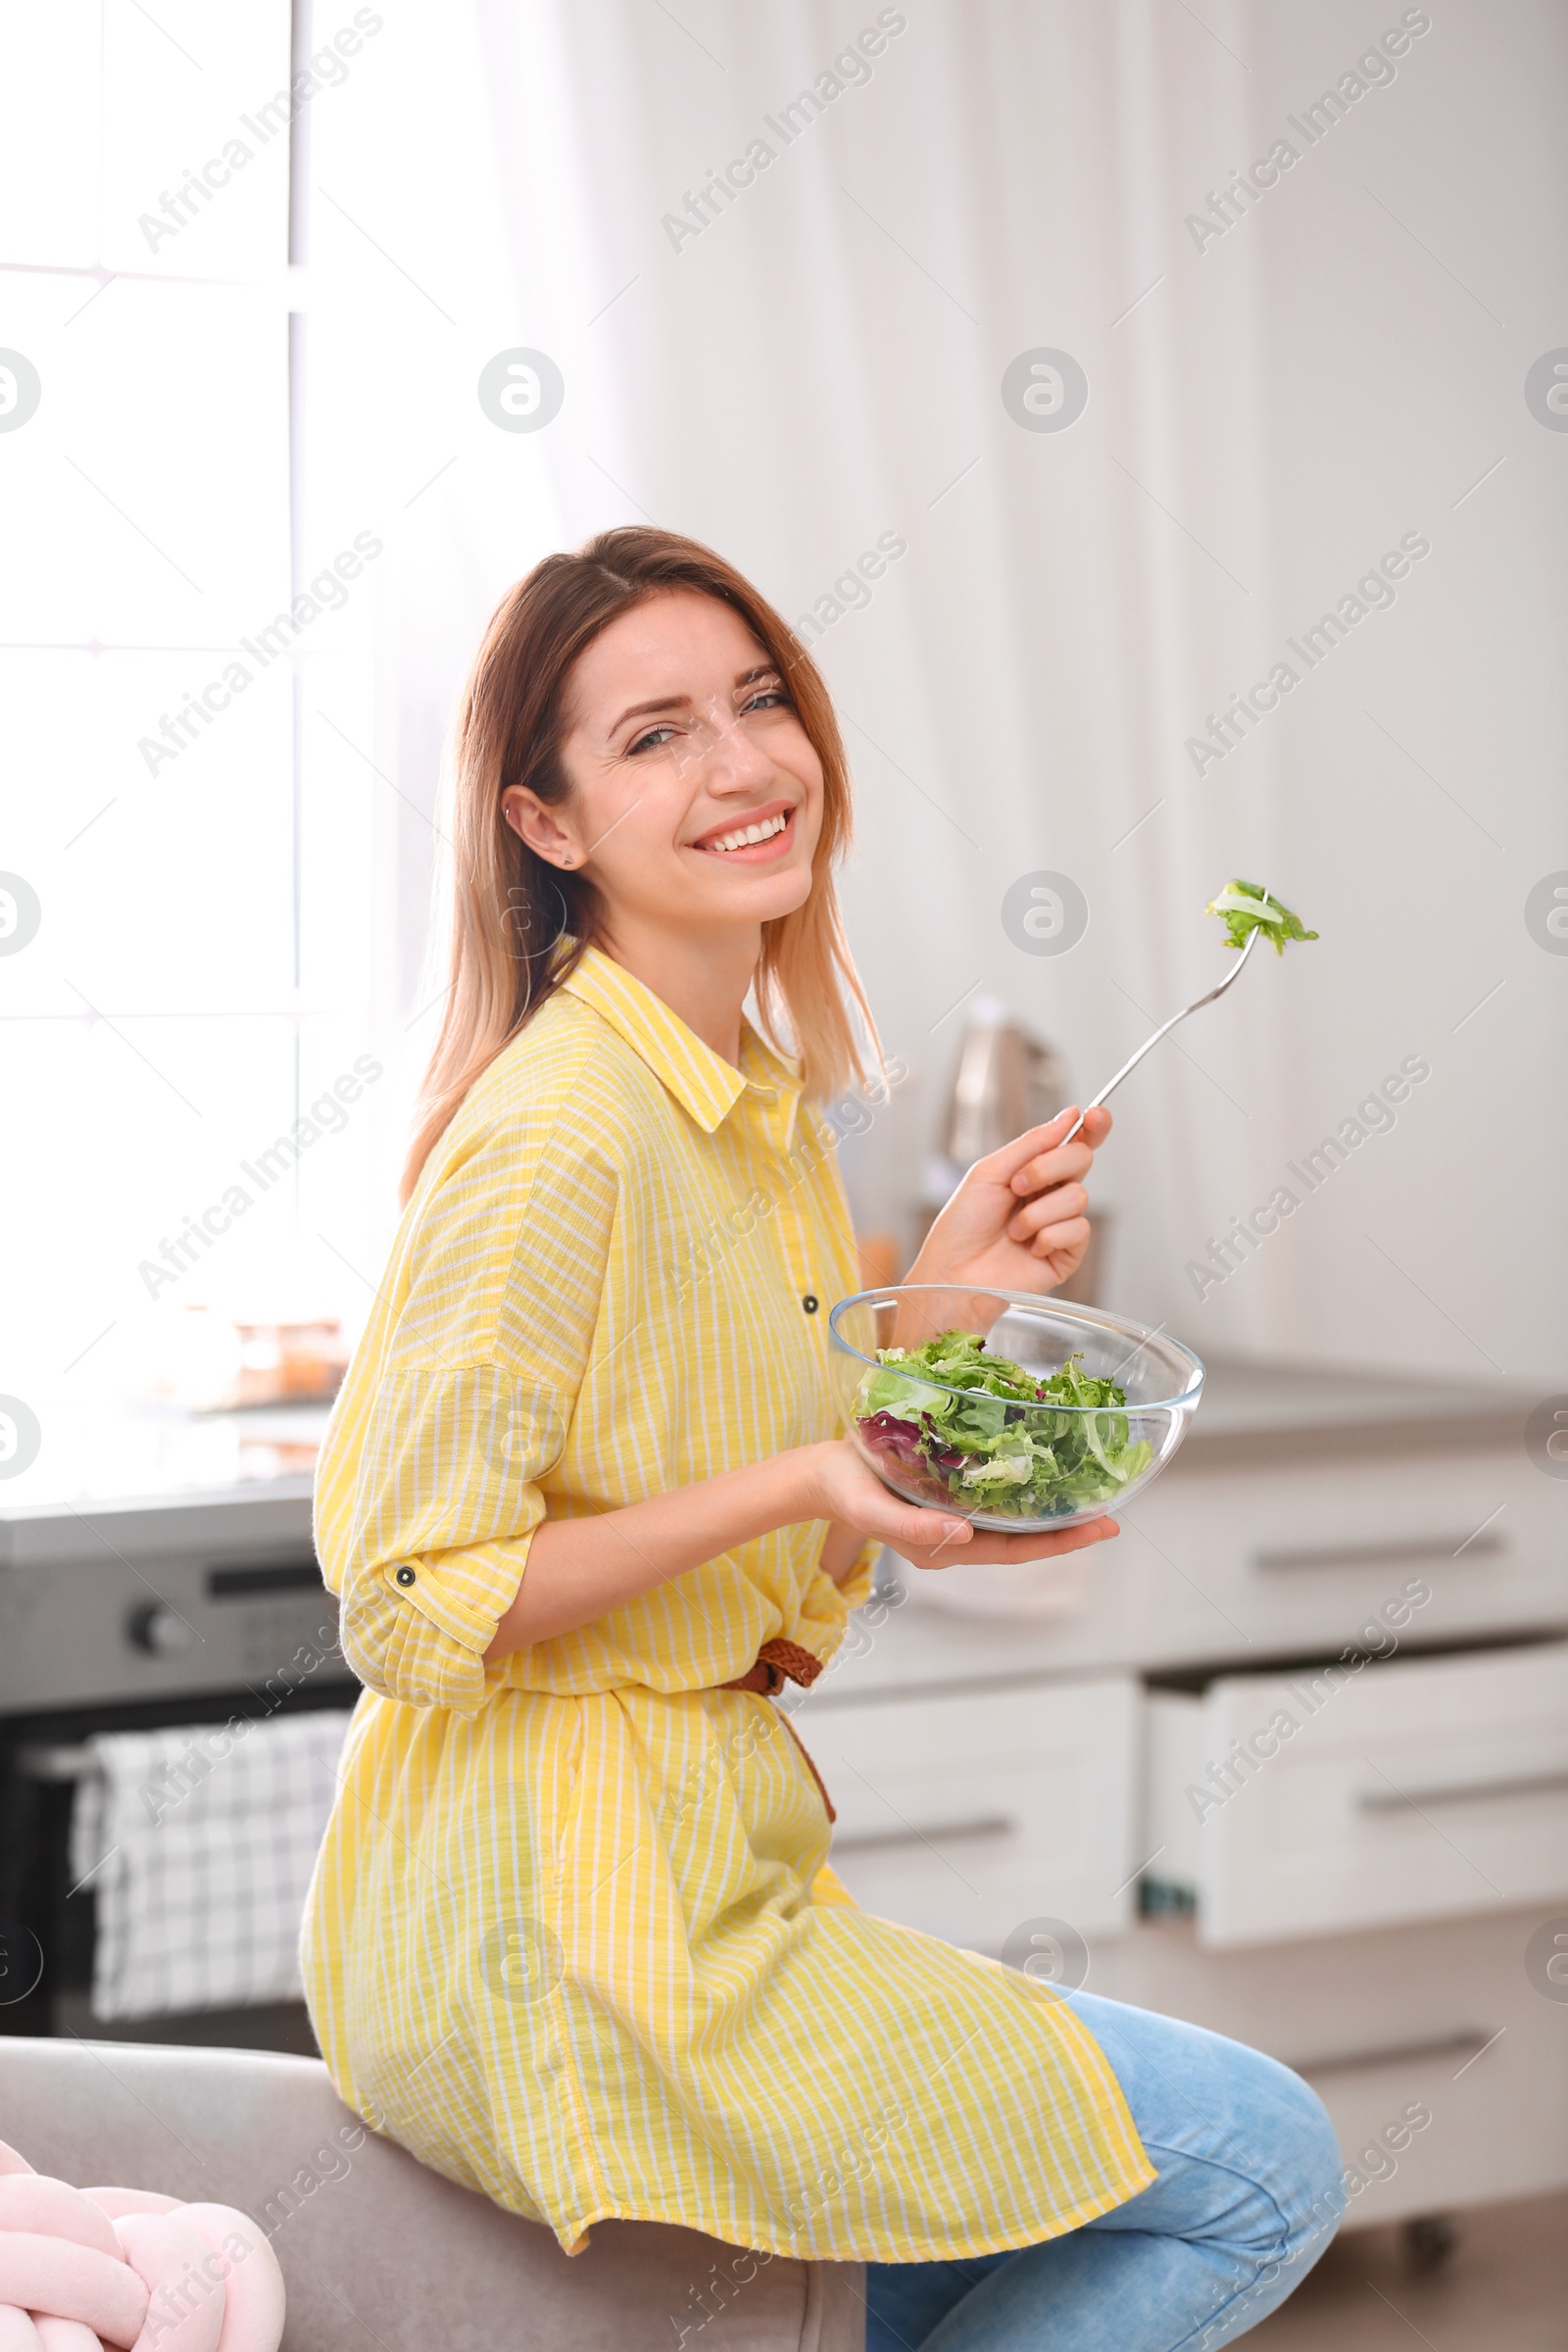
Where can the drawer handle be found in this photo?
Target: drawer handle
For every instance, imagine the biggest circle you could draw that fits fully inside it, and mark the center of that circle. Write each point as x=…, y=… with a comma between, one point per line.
x=1391, y=1800
x=984, y=1825
x=1385, y=1555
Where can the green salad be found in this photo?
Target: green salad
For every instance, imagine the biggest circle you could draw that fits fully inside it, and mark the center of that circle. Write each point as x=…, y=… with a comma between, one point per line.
x=986, y=1439
x=1245, y=908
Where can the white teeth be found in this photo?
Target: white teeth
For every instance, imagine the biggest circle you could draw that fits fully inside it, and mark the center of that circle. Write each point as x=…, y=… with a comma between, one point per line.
x=748, y=834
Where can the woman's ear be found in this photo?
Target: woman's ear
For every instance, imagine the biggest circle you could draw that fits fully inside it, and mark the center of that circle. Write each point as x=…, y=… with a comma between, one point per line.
x=528, y=816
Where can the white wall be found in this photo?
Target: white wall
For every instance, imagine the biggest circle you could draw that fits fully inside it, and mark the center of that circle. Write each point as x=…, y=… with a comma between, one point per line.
x=822, y=365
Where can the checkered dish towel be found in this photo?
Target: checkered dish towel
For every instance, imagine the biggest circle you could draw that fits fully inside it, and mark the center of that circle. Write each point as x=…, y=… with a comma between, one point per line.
x=198, y=1843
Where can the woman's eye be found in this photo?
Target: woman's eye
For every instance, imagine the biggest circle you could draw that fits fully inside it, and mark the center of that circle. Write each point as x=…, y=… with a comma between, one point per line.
x=654, y=741
x=771, y=698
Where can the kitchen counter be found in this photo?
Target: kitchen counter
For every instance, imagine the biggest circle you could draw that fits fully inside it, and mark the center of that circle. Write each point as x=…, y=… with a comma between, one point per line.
x=1251, y=1411
x=144, y=1453
x=150, y=1474
x=137, y=1456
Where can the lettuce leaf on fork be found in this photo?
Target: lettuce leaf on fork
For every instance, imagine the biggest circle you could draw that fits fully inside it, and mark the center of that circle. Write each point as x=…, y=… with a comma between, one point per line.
x=1245, y=908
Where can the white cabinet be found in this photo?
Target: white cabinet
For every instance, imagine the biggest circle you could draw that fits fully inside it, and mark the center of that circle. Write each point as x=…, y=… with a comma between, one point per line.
x=971, y=1813
x=1366, y=1881
x=1357, y=1795
x=1242, y=1563
x=1442, y=2016
x=1301, y=1555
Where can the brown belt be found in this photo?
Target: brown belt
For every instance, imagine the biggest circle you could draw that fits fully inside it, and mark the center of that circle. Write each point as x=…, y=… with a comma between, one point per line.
x=777, y=1662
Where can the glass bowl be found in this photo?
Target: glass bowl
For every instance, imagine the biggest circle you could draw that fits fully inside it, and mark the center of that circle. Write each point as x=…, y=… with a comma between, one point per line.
x=947, y=1435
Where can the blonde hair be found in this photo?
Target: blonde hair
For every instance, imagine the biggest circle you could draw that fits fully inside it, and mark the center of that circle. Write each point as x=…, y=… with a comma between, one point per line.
x=520, y=924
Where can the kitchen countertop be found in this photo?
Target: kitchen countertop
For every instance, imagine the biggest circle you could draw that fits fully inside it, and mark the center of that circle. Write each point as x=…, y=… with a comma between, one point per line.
x=131, y=1474
x=1257, y=1412
x=1251, y=1414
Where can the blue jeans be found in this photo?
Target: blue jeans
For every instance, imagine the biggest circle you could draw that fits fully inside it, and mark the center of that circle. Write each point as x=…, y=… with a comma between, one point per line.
x=1248, y=2194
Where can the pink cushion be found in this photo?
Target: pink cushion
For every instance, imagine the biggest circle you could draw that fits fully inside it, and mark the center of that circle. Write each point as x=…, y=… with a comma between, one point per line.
x=53, y=2275
x=130, y=2269
x=64, y=2336
x=116, y=2201
x=185, y=2301
x=253, y=2314
x=34, y=2201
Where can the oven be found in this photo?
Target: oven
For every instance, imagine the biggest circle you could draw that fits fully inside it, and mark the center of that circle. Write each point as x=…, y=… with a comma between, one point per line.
x=178, y=1609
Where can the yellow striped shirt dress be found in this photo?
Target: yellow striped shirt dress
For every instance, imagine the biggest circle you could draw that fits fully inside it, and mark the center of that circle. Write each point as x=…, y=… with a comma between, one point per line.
x=574, y=1938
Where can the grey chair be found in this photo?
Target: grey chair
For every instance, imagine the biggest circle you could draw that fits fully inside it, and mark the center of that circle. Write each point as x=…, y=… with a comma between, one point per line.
x=370, y=2241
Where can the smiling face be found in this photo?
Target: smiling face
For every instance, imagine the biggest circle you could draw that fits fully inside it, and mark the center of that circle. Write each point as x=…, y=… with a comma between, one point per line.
x=695, y=796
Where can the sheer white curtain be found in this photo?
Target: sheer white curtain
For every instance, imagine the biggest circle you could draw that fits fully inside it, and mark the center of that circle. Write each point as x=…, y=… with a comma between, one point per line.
x=805, y=360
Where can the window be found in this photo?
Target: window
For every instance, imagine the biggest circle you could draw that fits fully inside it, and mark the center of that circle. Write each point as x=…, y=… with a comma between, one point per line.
x=184, y=730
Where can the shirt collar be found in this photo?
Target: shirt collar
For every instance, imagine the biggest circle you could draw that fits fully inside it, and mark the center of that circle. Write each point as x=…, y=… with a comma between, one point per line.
x=704, y=1085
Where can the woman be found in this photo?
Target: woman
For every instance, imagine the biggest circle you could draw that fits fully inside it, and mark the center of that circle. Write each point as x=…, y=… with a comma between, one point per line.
x=573, y=1938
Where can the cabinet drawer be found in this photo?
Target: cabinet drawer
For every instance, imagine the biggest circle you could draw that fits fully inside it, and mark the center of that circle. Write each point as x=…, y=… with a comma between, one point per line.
x=1294, y=1554
x=1246, y=1563
x=1298, y=1557
x=967, y=1814
x=1437, y=2013
x=1305, y=1803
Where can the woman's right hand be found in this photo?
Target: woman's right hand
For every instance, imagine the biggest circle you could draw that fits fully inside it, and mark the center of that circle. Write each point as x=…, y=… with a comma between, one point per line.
x=580, y=1568
x=846, y=1491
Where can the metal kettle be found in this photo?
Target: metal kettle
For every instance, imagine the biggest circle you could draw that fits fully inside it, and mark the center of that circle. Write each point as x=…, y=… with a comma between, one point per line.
x=1006, y=1081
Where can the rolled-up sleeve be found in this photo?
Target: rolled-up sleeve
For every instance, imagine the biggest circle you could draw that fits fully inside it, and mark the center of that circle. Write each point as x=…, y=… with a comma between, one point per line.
x=446, y=1507
x=430, y=1494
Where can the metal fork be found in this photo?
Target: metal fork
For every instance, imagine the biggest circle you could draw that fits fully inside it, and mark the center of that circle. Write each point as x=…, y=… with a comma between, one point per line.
x=1164, y=1030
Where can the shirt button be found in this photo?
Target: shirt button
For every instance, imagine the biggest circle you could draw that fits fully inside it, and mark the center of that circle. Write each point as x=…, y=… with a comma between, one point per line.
x=404, y=1576
x=809, y=1302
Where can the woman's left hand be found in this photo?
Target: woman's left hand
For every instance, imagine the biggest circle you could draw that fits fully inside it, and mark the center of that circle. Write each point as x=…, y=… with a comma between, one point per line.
x=1016, y=1222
